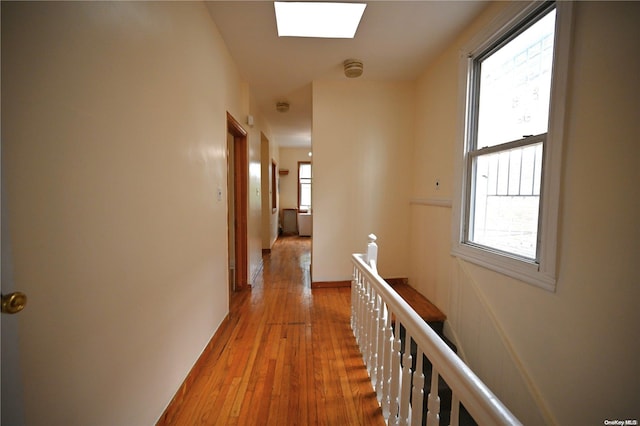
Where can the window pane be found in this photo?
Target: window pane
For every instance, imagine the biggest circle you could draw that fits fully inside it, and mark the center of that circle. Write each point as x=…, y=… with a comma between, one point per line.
x=304, y=186
x=305, y=171
x=528, y=165
x=305, y=195
x=515, y=158
x=506, y=219
x=515, y=86
x=503, y=173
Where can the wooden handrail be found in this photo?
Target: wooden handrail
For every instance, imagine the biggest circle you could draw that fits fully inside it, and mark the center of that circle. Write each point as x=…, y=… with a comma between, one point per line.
x=373, y=303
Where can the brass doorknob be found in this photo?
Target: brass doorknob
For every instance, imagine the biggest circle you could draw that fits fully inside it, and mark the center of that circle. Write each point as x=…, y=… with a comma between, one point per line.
x=13, y=303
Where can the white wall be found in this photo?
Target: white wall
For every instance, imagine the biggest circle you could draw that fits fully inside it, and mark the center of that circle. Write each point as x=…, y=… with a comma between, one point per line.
x=578, y=346
x=114, y=145
x=362, y=138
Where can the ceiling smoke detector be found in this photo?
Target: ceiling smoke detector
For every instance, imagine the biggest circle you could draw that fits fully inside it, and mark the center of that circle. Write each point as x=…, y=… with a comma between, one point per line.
x=353, y=68
x=282, y=106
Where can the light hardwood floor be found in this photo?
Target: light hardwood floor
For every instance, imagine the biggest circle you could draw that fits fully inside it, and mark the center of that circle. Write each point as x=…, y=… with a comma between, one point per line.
x=287, y=356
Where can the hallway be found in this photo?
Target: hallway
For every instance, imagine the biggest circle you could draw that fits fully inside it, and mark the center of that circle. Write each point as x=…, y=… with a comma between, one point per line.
x=287, y=355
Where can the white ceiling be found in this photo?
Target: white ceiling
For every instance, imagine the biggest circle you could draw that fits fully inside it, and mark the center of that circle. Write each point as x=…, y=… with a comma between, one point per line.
x=395, y=40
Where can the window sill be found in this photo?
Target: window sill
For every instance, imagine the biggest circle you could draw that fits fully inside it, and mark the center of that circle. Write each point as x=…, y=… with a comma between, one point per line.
x=528, y=272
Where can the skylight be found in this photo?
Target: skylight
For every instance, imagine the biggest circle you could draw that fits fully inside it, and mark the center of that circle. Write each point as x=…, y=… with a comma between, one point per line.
x=318, y=19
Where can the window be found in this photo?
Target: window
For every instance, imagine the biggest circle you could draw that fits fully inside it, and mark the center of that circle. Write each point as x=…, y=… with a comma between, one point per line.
x=510, y=160
x=304, y=186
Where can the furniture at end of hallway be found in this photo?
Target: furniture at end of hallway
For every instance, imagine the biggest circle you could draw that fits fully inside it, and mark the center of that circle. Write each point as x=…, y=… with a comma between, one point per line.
x=289, y=221
x=305, y=224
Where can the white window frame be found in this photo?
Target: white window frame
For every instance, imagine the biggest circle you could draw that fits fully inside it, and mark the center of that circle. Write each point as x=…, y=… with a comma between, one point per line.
x=300, y=164
x=541, y=273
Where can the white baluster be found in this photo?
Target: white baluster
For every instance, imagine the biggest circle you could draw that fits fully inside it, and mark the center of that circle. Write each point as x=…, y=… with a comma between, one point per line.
x=365, y=321
x=433, y=407
x=361, y=315
x=370, y=293
x=417, y=399
x=375, y=334
x=354, y=286
x=356, y=302
x=382, y=335
x=405, y=393
x=394, y=397
x=386, y=362
x=455, y=411
x=371, y=328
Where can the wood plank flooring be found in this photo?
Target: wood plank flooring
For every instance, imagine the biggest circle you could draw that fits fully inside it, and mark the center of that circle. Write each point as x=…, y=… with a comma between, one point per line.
x=288, y=356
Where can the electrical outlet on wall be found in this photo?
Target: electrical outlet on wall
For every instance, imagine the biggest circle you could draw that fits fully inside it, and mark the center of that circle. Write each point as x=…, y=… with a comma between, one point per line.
x=219, y=194
x=437, y=184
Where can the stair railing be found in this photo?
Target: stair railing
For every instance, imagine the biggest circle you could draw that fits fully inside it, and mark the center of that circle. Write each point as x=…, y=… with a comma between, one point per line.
x=377, y=313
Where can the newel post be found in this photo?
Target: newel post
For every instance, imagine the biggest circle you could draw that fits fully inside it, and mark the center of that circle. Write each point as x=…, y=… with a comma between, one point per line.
x=372, y=252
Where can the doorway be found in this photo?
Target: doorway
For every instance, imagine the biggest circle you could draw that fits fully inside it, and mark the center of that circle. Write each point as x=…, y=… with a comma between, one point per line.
x=237, y=179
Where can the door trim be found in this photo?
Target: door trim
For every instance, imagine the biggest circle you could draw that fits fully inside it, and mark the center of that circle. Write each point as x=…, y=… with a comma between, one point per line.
x=241, y=179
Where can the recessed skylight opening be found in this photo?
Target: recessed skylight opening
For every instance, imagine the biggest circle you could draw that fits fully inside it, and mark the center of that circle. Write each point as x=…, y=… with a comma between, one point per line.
x=318, y=19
